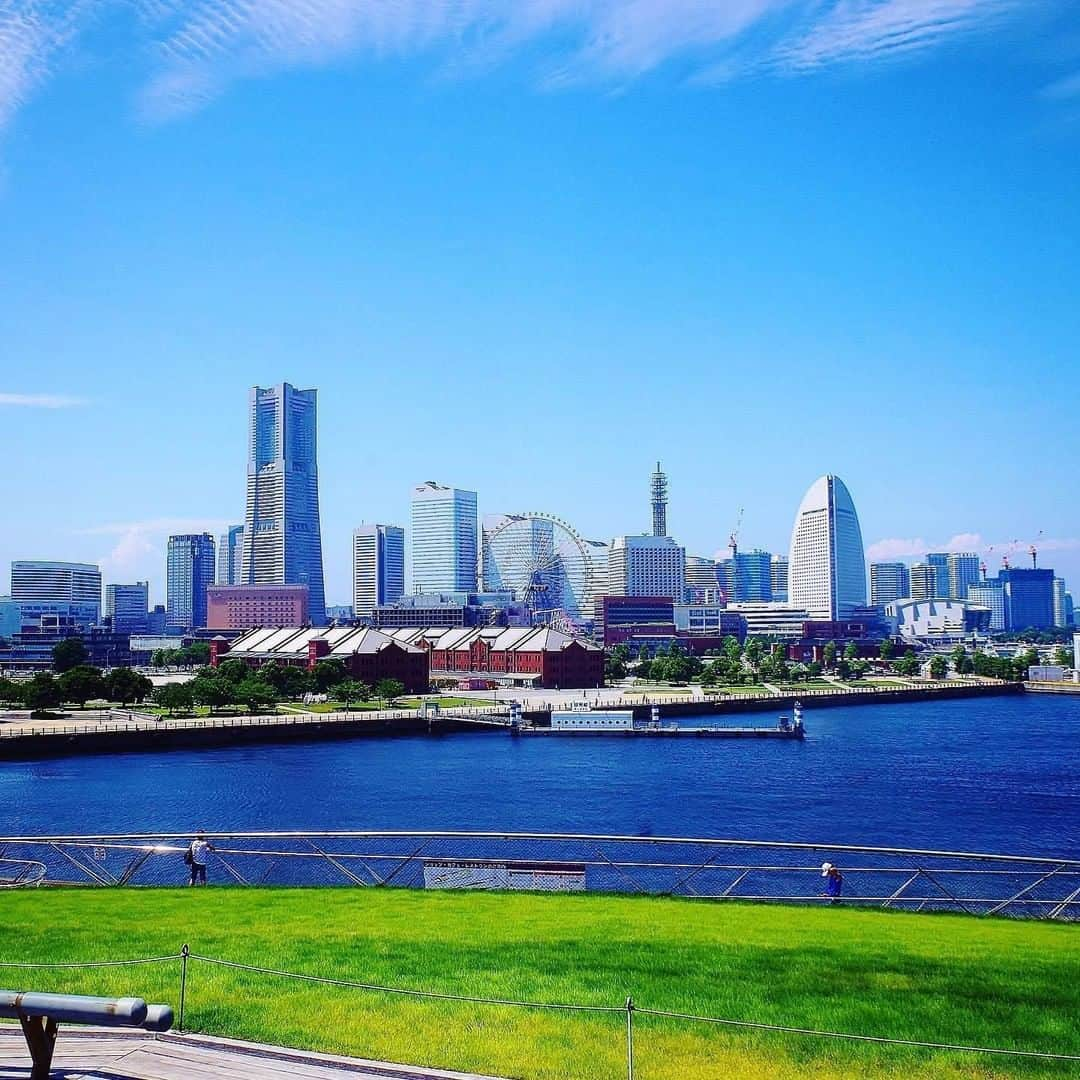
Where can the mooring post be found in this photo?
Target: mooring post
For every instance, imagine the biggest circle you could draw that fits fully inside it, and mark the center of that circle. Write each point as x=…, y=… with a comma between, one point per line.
x=629, y=1038
x=183, y=984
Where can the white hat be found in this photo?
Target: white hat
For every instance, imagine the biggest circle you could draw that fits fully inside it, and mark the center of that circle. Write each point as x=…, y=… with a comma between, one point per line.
x=825, y=868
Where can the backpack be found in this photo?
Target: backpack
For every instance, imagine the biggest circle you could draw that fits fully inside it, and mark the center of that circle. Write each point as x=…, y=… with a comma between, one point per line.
x=188, y=856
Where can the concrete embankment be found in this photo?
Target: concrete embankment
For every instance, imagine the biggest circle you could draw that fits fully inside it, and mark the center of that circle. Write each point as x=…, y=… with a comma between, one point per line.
x=135, y=733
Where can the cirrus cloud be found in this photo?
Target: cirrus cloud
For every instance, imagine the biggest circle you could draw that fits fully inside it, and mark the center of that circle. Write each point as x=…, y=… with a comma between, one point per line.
x=197, y=48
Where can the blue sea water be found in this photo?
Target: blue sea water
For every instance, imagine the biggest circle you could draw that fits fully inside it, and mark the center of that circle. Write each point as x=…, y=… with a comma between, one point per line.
x=995, y=775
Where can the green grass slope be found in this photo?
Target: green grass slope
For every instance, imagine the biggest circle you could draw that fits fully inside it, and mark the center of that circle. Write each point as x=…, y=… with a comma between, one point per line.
x=931, y=977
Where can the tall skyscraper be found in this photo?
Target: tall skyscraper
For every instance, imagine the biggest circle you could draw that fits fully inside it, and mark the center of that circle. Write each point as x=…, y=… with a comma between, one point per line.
x=658, y=490
x=378, y=567
x=827, y=572
x=189, y=572
x=128, y=606
x=746, y=576
x=779, y=574
x=282, y=542
x=939, y=560
x=444, y=541
x=646, y=566
x=963, y=572
x=1029, y=598
x=702, y=582
x=1060, y=615
x=889, y=581
x=70, y=592
x=230, y=554
x=924, y=582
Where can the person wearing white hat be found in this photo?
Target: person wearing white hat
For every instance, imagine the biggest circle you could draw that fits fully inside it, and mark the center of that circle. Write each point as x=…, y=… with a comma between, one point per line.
x=834, y=884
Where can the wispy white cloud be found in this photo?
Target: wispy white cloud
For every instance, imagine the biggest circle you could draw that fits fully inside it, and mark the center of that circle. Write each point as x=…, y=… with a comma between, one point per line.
x=864, y=30
x=197, y=48
x=41, y=401
x=899, y=548
x=138, y=548
x=1063, y=89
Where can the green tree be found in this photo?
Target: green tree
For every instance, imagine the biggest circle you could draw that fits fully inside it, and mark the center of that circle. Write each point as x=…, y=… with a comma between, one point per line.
x=799, y=672
x=886, y=649
x=69, y=653
x=754, y=652
x=81, y=684
x=851, y=652
x=328, y=673
x=828, y=655
x=708, y=677
x=843, y=668
x=212, y=691
x=158, y=658
x=643, y=655
x=939, y=667
x=254, y=693
x=236, y=671
x=388, y=689
x=1063, y=656
x=616, y=661
x=908, y=664
x=293, y=682
x=42, y=693
x=813, y=670
x=198, y=652
x=125, y=685
x=349, y=690
x=175, y=697
x=11, y=692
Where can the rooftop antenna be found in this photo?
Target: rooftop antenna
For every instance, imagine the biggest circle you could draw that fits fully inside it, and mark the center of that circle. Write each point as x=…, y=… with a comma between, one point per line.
x=659, y=490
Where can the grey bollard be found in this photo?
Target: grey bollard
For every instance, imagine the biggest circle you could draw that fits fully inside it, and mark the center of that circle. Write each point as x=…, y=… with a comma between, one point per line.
x=158, y=1018
x=74, y=1008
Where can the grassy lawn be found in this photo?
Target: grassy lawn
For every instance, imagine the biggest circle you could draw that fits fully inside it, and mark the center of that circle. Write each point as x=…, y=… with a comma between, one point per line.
x=743, y=690
x=447, y=702
x=333, y=706
x=931, y=977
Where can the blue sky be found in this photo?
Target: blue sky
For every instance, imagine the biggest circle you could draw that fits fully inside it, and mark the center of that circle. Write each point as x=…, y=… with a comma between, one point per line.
x=530, y=247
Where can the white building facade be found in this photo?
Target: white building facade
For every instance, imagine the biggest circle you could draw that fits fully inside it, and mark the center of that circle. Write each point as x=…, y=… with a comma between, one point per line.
x=646, y=566
x=378, y=563
x=827, y=565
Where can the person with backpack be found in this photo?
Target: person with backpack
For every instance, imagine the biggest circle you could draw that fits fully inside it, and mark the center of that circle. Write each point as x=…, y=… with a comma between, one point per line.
x=834, y=885
x=195, y=857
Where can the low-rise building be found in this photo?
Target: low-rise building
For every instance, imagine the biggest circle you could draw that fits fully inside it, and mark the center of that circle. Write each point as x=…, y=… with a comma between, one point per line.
x=526, y=655
x=937, y=619
x=243, y=607
x=368, y=655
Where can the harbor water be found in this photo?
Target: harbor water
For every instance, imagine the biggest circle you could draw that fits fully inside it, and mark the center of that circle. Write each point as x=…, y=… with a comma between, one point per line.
x=994, y=774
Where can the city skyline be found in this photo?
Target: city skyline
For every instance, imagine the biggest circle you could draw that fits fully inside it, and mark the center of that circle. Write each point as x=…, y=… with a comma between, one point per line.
x=563, y=255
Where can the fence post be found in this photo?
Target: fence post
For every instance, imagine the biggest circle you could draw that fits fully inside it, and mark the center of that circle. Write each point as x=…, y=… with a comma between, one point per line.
x=183, y=984
x=629, y=1038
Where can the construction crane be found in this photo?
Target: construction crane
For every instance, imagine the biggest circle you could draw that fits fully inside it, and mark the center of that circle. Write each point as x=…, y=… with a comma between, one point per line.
x=733, y=538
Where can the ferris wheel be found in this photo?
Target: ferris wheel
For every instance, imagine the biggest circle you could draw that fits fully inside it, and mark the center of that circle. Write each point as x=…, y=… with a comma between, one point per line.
x=546, y=564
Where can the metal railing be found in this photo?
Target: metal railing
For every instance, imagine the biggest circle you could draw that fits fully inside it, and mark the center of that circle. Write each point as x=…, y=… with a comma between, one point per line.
x=694, y=868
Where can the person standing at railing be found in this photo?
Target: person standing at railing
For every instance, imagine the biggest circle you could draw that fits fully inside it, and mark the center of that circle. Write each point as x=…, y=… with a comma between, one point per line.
x=834, y=882
x=195, y=857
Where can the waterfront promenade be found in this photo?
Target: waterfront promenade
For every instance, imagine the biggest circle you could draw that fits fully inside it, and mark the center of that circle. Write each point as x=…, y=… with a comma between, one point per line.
x=23, y=736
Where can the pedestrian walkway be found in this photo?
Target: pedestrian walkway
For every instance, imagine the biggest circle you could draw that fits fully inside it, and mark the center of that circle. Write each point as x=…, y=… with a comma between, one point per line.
x=108, y=1054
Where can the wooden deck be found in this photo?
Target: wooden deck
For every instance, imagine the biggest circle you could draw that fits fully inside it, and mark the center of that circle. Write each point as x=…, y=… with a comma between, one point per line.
x=98, y=1054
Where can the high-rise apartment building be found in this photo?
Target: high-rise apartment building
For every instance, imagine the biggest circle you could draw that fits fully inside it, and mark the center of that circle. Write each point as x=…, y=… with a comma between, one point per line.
x=889, y=581
x=282, y=540
x=963, y=572
x=378, y=563
x=939, y=560
x=189, y=572
x=646, y=566
x=827, y=572
x=779, y=573
x=444, y=539
x=924, y=582
x=230, y=554
x=128, y=606
x=70, y=592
